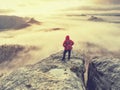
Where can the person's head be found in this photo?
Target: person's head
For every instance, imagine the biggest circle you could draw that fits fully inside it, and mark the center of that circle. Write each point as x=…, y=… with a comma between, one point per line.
x=67, y=37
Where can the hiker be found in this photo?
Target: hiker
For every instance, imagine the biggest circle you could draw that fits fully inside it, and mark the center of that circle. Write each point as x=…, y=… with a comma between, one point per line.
x=67, y=44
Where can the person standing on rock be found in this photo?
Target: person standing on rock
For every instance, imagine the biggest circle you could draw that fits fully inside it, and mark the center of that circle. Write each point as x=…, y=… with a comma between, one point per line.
x=67, y=44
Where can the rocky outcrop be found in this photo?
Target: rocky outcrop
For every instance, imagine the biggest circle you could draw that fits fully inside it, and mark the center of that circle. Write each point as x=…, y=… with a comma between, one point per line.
x=33, y=21
x=49, y=74
x=104, y=74
x=96, y=19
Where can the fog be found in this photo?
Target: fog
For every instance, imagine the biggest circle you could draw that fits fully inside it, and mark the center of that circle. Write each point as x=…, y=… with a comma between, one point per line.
x=50, y=40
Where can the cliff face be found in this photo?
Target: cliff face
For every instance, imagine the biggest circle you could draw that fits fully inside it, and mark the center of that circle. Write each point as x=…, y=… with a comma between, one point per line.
x=104, y=74
x=49, y=74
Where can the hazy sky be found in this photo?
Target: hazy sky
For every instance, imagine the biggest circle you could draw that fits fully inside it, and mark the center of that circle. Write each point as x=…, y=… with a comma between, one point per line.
x=48, y=6
x=107, y=1
x=35, y=6
x=8, y=4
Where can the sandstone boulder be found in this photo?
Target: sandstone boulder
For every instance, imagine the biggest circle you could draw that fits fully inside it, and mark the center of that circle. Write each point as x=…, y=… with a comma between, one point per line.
x=49, y=74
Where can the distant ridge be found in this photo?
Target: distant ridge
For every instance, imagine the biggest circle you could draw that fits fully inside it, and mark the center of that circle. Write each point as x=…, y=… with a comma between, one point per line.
x=16, y=22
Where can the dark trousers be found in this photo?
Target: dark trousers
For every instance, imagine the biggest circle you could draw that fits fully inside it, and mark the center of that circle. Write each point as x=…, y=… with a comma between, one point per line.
x=64, y=54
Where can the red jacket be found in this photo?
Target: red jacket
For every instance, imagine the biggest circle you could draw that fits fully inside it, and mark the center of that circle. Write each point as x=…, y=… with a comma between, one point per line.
x=68, y=43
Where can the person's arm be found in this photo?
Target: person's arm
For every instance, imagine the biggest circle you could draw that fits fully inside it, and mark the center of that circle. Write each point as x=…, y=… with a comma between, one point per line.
x=64, y=45
x=72, y=43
